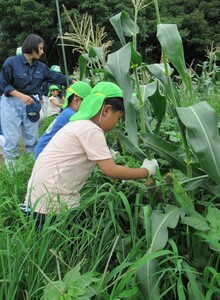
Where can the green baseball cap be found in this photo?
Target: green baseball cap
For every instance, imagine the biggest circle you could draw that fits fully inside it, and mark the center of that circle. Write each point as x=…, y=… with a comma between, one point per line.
x=93, y=102
x=52, y=88
x=80, y=88
x=55, y=68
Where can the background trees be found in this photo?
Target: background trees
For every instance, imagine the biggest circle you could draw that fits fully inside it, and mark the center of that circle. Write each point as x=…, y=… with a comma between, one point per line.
x=198, y=23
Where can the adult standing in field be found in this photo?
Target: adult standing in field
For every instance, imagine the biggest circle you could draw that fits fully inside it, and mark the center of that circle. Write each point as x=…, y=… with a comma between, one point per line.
x=66, y=162
x=22, y=78
x=74, y=97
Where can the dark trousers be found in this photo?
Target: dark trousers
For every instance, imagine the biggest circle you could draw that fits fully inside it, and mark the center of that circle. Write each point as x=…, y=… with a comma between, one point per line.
x=40, y=219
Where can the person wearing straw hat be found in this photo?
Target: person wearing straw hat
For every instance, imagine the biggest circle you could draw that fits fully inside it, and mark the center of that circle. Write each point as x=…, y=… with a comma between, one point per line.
x=74, y=96
x=67, y=161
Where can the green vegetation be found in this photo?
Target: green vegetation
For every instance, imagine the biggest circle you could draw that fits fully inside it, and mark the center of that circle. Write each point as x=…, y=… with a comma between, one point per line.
x=197, y=21
x=153, y=239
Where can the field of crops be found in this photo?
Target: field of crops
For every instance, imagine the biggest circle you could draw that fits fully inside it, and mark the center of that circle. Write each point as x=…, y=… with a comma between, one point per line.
x=148, y=239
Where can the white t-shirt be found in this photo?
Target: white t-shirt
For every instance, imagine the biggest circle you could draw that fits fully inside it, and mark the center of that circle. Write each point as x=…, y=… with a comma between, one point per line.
x=64, y=165
x=53, y=109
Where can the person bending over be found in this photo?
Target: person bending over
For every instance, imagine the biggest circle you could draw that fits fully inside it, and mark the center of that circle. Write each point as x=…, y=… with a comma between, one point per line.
x=67, y=161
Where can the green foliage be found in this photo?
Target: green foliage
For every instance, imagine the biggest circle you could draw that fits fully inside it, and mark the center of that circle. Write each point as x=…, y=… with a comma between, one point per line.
x=207, y=226
x=148, y=274
x=202, y=128
x=28, y=17
x=73, y=286
x=125, y=240
x=197, y=22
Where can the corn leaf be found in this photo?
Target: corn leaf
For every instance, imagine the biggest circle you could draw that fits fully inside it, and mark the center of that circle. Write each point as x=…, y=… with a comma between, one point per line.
x=119, y=64
x=167, y=150
x=124, y=26
x=171, y=42
x=147, y=276
x=202, y=128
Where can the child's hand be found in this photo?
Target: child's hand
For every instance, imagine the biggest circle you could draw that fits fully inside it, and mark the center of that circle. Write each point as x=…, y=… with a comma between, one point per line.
x=150, y=165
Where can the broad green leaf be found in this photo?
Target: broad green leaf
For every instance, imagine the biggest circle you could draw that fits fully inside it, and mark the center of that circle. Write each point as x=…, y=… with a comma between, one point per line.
x=92, y=53
x=136, y=266
x=158, y=70
x=82, y=61
x=171, y=42
x=213, y=243
x=160, y=222
x=53, y=291
x=202, y=128
x=172, y=154
x=165, y=149
x=148, y=90
x=130, y=146
x=196, y=223
x=214, y=234
x=147, y=280
x=158, y=102
x=124, y=26
x=136, y=57
x=99, y=53
x=213, y=217
x=119, y=64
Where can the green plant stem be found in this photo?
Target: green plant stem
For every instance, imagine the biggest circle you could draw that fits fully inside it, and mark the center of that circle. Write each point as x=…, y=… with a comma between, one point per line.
x=157, y=11
x=134, y=38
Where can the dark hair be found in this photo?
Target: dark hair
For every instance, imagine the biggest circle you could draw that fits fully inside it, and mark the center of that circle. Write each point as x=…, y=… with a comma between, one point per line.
x=70, y=98
x=31, y=43
x=117, y=103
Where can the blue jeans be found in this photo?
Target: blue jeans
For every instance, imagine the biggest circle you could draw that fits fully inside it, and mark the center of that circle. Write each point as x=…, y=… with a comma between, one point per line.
x=14, y=122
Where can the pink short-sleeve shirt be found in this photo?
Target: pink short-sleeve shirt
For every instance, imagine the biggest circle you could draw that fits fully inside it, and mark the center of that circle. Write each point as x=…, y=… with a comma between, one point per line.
x=62, y=168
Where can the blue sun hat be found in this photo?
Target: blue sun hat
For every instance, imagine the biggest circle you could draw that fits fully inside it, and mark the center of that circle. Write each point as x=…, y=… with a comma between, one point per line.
x=93, y=102
x=33, y=110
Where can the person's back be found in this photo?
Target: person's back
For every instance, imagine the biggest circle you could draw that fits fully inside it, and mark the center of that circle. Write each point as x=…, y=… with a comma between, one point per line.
x=74, y=96
x=53, y=128
x=69, y=155
x=61, y=170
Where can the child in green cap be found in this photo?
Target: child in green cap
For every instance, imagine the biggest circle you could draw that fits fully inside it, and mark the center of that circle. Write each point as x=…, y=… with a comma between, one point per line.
x=54, y=101
x=74, y=96
x=67, y=161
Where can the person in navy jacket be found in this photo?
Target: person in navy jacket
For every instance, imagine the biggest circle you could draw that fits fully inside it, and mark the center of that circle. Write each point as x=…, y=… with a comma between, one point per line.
x=22, y=78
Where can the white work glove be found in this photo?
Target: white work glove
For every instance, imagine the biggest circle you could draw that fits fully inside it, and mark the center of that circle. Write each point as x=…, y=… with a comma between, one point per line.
x=113, y=153
x=150, y=165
